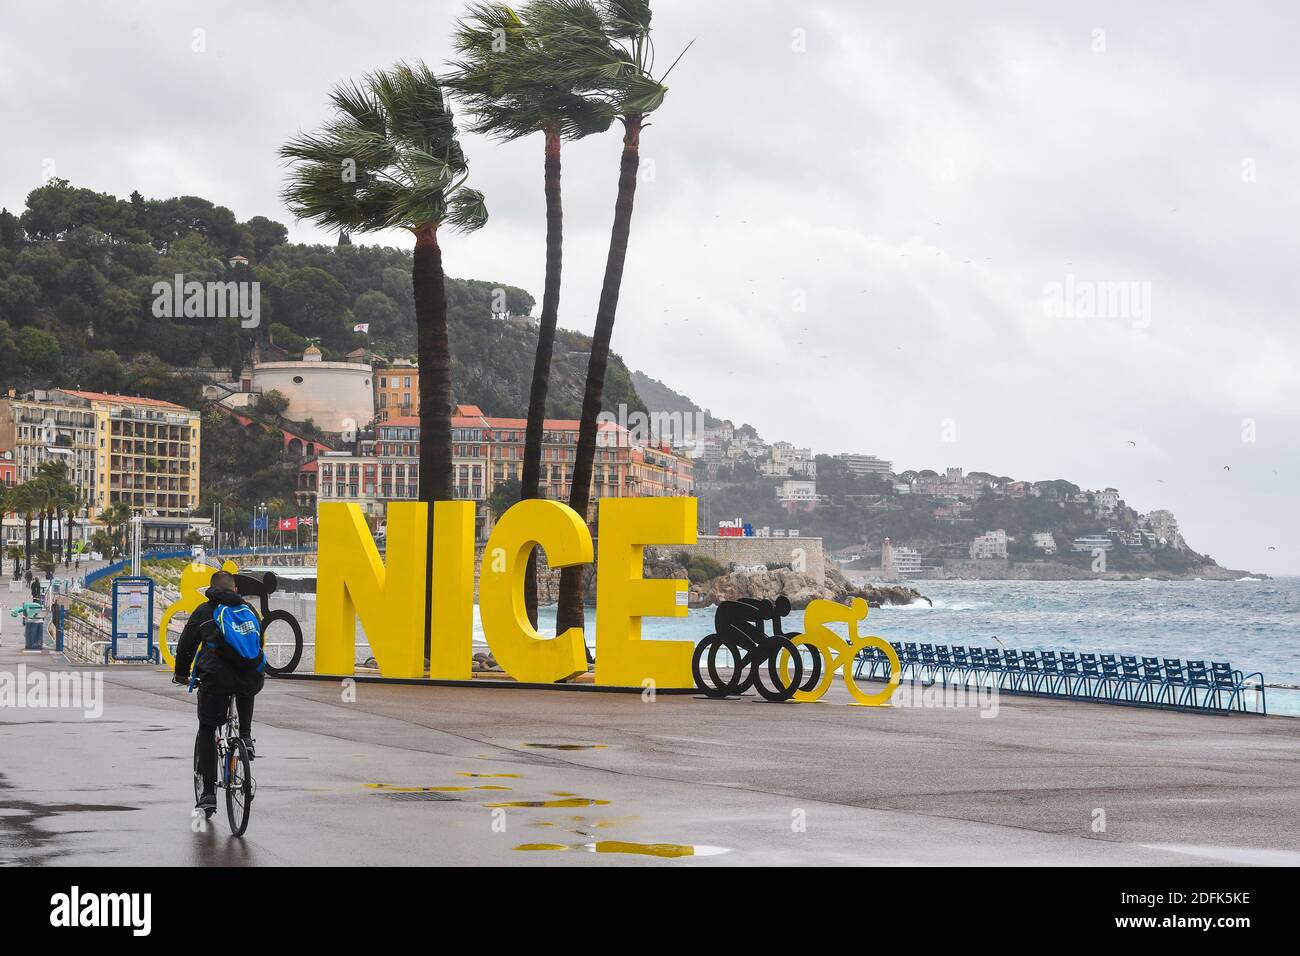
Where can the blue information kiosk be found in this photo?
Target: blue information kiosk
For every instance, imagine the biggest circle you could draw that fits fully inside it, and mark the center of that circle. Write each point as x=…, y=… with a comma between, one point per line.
x=133, y=619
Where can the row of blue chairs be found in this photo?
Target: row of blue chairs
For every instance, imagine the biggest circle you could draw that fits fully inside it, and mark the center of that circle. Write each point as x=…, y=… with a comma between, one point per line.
x=1123, y=679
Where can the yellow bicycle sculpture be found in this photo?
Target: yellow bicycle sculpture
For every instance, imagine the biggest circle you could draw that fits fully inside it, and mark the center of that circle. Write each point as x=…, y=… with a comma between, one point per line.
x=194, y=579
x=838, y=654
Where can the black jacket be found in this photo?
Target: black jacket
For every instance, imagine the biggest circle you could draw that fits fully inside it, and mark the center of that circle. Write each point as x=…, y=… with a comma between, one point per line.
x=213, y=669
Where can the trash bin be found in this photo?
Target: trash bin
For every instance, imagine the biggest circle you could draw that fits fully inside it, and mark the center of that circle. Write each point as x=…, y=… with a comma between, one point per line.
x=35, y=635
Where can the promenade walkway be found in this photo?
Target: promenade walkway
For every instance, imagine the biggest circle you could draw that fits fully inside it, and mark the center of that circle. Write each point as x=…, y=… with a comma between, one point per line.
x=786, y=784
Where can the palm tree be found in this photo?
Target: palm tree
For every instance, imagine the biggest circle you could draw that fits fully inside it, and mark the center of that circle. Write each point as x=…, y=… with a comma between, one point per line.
x=22, y=500
x=611, y=39
x=511, y=84
x=6, y=506
x=116, y=516
x=390, y=159
x=71, y=499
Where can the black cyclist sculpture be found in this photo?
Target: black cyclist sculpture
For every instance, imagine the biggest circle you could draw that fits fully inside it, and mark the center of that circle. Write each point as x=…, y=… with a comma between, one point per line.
x=770, y=663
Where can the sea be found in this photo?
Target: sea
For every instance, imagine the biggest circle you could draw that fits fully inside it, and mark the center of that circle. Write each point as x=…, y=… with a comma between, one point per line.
x=1253, y=624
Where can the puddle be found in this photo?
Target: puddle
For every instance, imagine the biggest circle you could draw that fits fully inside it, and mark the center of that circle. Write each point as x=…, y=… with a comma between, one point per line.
x=24, y=833
x=466, y=773
x=389, y=788
x=661, y=850
x=568, y=746
x=562, y=803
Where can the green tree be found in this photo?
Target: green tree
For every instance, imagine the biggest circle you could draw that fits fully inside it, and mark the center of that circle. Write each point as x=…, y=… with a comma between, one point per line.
x=103, y=371
x=515, y=87
x=273, y=402
x=264, y=234
x=39, y=351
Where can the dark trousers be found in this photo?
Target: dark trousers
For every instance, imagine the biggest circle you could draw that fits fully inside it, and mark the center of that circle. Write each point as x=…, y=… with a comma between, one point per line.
x=212, y=714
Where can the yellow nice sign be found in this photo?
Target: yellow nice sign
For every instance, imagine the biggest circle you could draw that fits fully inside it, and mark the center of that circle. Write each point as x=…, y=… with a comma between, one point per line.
x=389, y=598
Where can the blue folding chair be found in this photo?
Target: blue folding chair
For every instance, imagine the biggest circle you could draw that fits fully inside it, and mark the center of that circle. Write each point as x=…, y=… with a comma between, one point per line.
x=1153, y=677
x=1198, y=692
x=1172, y=686
x=993, y=666
x=1132, y=683
x=1012, y=672
x=1091, y=679
x=944, y=659
x=913, y=659
x=961, y=664
x=1112, y=682
x=1231, y=683
x=1071, y=674
x=1031, y=671
x=1049, y=673
x=928, y=663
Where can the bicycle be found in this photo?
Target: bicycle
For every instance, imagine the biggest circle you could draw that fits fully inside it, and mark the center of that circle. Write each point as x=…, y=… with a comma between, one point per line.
x=740, y=631
x=263, y=585
x=234, y=773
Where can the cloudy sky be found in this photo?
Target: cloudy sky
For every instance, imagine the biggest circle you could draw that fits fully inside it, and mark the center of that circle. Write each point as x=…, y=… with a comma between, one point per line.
x=860, y=227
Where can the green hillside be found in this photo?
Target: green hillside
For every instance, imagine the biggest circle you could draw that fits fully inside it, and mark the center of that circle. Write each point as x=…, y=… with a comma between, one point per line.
x=77, y=270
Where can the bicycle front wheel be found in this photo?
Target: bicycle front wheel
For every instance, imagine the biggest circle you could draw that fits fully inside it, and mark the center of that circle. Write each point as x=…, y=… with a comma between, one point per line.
x=239, y=786
x=198, y=777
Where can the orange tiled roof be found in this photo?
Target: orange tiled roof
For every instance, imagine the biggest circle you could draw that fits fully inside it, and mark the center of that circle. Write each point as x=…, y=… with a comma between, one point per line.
x=122, y=399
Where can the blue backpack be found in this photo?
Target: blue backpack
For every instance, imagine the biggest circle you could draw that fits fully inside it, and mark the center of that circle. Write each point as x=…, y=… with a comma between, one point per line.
x=241, y=633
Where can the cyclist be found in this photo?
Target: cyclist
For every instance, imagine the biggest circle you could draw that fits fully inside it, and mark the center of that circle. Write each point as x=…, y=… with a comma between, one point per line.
x=223, y=642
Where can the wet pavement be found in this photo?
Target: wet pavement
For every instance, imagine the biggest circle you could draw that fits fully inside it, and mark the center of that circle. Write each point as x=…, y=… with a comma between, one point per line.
x=445, y=775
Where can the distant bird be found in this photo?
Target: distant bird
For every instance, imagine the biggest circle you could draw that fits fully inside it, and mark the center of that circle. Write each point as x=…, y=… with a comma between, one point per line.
x=1271, y=548
x=1227, y=468
x=1133, y=443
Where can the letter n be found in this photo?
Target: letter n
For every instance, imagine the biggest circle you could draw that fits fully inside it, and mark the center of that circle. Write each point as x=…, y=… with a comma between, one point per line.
x=353, y=582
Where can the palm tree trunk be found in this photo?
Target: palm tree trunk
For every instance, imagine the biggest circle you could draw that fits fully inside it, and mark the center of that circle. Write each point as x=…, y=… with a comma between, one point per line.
x=433, y=350
x=531, y=480
x=571, y=611
x=27, y=542
x=69, y=541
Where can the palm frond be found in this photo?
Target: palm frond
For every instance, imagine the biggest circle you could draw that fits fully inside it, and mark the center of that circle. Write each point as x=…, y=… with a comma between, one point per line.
x=388, y=158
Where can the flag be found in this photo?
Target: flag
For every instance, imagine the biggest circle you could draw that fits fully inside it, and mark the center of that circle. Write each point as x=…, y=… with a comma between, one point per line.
x=306, y=522
x=362, y=327
x=258, y=524
x=288, y=524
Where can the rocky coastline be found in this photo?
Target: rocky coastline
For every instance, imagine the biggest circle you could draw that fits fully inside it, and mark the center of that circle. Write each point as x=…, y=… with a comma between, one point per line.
x=798, y=587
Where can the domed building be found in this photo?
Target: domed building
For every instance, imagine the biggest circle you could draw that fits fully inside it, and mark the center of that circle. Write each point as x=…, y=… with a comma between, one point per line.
x=336, y=396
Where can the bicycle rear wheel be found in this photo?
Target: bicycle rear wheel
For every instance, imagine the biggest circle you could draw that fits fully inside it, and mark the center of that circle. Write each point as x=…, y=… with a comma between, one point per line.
x=282, y=658
x=239, y=787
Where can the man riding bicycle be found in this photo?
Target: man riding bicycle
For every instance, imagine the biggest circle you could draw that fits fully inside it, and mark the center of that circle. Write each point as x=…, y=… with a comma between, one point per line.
x=223, y=642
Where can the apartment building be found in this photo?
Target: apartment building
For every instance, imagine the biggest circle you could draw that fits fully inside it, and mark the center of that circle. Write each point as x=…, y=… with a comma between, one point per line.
x=140, y=451
x=989, y=546
x=487, y=452
x=146, y=453
x=864, y=466
x=397, y=390
x=43, y=426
